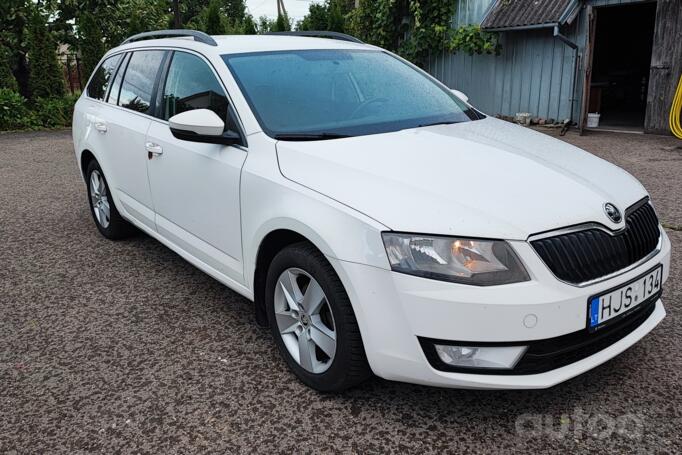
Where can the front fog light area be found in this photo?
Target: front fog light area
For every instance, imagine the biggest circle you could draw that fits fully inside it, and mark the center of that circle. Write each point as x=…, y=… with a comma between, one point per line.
x=502, y=357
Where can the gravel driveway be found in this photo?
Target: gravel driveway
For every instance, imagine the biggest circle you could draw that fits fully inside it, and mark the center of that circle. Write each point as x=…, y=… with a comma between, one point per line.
x=124, y=347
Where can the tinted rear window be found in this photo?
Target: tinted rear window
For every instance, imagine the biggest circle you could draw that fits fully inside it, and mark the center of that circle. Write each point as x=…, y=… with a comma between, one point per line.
x=138, y=81
x=97, y=88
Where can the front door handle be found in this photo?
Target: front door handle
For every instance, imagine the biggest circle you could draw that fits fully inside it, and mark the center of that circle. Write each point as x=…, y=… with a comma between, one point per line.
x=153, y=149
x=101, y=126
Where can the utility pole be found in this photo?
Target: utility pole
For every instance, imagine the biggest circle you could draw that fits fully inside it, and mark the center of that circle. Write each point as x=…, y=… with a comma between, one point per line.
x=281, y=10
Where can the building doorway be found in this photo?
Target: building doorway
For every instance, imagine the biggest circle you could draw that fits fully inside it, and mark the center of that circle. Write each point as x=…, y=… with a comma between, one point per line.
x=621, y=61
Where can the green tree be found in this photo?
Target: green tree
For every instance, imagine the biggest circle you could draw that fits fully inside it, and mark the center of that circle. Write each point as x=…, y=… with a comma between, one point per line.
x=336, y=20
x=7, y=79
x=91, y=43
x=14, y=19
x=265, y=25
x=46, y=78
x=428, y=29
x=282, y=24
x=249, y=26
x=214, y=24
x=378, y=22
x=129, y=17
x=235, y=10
x=135, y=25
x=330, y=15
x=316, y=19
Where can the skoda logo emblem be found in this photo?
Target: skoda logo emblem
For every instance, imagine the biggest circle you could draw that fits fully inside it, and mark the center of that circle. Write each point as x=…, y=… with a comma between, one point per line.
x=612, y=212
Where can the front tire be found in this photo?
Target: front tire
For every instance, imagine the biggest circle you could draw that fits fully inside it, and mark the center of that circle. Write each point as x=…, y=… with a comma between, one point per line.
x=312, y=320
x=109, y=222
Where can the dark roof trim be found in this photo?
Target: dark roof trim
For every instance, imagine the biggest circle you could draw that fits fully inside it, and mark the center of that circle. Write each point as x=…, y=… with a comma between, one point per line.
x=320, y=34
x=521, y=27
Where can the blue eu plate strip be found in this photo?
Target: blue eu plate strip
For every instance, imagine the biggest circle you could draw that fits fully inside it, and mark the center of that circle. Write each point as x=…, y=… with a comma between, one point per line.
x=594, y=312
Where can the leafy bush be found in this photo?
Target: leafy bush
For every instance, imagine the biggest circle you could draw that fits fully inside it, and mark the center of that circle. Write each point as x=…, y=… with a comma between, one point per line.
x=417, y=28
x=472, y=40
x=13, y=112
x=54, y=112
x=16, y=113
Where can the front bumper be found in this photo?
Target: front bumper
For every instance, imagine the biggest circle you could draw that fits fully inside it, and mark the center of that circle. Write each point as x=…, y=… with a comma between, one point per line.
x=395, y=311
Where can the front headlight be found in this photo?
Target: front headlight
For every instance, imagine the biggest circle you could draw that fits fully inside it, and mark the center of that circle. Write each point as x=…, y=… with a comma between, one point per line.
x=467, y=261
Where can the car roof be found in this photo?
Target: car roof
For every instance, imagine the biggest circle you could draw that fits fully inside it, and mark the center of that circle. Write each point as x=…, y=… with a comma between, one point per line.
x=235, y=44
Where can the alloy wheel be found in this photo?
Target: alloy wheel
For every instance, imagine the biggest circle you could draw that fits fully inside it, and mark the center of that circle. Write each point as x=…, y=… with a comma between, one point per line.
x=305, y=320
x=99, y=199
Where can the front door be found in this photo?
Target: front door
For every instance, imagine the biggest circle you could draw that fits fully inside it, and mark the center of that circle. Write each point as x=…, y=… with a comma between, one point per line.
x=195, y=186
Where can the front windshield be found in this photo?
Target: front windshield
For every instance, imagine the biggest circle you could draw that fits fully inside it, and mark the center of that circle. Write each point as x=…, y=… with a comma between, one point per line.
x=335, y=93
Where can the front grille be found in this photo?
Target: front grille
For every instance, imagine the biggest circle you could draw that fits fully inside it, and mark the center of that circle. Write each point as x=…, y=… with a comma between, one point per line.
x=578, y=257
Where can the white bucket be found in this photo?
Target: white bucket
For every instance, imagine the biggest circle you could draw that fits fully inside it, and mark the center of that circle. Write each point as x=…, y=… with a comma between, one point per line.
x=593, y=120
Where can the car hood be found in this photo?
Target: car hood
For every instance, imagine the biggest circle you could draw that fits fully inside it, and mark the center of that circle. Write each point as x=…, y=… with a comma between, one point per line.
x=485, y=178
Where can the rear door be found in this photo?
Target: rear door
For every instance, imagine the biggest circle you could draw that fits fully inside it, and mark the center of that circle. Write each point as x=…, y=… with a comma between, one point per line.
x=126, y=118
x=195, y=186
x=90, y=113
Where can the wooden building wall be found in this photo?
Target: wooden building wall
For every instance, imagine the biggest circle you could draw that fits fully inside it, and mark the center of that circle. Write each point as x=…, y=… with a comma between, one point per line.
x=666, y=65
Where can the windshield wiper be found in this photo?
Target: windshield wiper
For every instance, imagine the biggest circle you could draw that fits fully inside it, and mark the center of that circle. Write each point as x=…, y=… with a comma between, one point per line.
x=437, y=123
x=309, y=136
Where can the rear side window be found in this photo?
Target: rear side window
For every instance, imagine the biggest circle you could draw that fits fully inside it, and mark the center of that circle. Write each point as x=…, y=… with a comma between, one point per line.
x=97, y=88
x=191, y=84
x=138, y=81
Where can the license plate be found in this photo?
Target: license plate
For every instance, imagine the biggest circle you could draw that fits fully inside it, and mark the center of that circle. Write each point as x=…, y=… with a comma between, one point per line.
x=622, y=300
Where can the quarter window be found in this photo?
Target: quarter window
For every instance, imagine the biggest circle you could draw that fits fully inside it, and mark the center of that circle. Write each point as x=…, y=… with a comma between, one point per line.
x=97, y=88
x=138, y=81
x=192, y=85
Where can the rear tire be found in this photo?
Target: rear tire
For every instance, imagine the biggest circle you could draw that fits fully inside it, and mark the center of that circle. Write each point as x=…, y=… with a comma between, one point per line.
x=330, y=357
x=109, y=222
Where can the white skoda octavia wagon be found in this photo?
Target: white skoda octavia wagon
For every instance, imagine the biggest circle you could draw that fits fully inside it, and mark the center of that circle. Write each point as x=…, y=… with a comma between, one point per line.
x=379, y=222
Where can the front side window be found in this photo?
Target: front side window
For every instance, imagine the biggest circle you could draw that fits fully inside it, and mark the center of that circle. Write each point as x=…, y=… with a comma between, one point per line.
x=191, y=84
x=138, y=81
x=337, y=92
x=99, y=83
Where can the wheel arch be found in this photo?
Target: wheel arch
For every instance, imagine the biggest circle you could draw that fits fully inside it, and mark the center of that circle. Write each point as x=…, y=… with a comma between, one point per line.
x=272, y=243
x=85, y=158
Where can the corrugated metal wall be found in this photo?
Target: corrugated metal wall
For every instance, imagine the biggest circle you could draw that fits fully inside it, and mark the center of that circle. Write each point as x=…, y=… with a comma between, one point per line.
x=533, y=74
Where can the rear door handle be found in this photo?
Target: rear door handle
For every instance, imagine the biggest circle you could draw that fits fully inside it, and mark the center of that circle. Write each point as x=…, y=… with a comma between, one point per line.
x=153, y=149
x=101, y=126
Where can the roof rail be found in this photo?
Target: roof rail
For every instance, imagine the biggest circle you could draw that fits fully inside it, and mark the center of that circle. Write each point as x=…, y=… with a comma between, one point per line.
x=197, y=35
x=321, y=34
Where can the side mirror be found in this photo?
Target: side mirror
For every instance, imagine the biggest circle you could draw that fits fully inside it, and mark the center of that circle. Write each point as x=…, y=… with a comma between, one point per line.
x=460, y=95
x=201, y=125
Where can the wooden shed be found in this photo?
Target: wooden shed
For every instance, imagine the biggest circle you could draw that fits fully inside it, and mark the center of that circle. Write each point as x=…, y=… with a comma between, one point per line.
x=561, y=59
